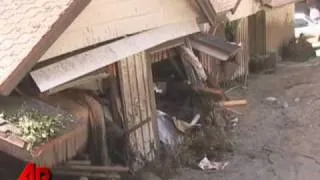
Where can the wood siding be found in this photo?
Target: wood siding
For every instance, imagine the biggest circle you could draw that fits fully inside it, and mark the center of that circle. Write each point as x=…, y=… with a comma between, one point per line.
x=245, y=8
x=271, y=30
x=104, y=20
x=243, y=58
x=139, y=103
x=279, y=27
x=257, y=31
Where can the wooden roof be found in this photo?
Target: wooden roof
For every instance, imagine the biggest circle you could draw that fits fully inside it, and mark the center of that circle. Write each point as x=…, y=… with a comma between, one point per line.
x=28, y=29
x=64, y=71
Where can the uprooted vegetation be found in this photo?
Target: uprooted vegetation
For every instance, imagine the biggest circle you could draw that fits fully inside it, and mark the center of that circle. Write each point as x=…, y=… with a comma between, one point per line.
x=33, y=127
x=211, y=139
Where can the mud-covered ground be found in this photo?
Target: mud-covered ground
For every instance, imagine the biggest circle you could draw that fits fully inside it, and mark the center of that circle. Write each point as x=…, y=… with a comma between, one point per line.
x=273, y=141
x=279, y=140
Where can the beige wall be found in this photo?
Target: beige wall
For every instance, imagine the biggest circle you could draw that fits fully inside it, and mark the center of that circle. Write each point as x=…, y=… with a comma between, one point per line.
x=104, y=20
x=245, y=8
x=271, y=29
x=279, y=27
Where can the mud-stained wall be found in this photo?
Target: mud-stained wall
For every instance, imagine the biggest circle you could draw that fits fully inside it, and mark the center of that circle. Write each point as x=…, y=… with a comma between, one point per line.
x=279, y=27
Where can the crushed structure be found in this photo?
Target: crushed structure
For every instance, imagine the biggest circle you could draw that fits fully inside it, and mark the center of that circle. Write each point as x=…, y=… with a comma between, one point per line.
x=97, y=60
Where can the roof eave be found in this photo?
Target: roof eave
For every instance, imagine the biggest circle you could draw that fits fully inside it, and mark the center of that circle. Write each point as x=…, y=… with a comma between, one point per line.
x=42, y=46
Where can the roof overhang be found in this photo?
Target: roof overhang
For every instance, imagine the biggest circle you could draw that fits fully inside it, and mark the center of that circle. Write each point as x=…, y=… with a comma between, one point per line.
x=69, y=69
x=30, y=29
x=214, y=46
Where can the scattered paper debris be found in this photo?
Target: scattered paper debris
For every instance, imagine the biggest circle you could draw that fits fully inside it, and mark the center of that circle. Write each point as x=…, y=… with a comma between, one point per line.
x=205, y=164
x=234, y=121
x=160, y=87
x=297, y=99
x=285, y=105
x=271, y=99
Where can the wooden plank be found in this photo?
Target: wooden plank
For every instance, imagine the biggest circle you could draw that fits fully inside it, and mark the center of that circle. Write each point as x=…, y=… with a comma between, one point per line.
x=208, y=11
x=210, y=51
x=135, y=117
x=167, y=45
x=104, y=20
x=192, y=59
x=63, y=71
x=126, y=99
x=234, y=103
x=78, y=82
x=243, y=57
x=139, y=65
x=117, y=110
x=151, y=108
x=137, y=106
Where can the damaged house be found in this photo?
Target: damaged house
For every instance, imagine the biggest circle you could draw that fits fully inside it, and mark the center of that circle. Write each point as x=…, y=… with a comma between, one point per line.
x=100, y=61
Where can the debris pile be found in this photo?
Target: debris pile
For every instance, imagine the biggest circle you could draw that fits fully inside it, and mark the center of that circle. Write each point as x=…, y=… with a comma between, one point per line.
x=193, y=115
x=299, y=50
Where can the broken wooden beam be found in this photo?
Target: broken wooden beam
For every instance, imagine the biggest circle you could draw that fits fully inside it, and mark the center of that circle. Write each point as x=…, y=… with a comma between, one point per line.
x=78, y=82
x=208, y=11
x=79, y=162
x=85, y=174
x=118, y=169
x=173, y=62
x=233, y=103
x=214, y=46
x=188, y=55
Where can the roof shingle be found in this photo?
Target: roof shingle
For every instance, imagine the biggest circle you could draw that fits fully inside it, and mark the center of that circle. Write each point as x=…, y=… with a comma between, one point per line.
x=28, y=28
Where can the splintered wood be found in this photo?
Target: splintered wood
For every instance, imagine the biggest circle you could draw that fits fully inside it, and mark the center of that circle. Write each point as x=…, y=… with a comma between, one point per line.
x=194, y=69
